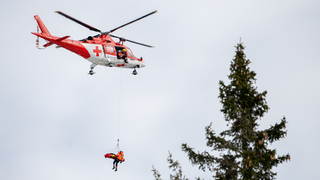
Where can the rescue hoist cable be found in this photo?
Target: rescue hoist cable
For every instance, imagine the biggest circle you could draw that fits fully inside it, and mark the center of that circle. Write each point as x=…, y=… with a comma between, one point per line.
x=119, y=118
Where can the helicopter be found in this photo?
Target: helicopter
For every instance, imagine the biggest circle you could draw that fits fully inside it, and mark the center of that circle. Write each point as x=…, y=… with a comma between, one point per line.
x=100, y=49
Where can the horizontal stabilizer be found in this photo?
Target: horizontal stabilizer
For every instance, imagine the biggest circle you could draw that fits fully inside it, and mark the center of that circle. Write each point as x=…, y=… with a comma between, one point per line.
x=60, y=39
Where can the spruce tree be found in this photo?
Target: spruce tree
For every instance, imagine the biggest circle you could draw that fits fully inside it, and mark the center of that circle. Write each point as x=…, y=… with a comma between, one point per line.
x=243, y=147
x=244, y=152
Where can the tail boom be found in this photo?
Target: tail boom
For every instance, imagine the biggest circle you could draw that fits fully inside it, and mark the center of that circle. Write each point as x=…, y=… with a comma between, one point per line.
x=71, y=45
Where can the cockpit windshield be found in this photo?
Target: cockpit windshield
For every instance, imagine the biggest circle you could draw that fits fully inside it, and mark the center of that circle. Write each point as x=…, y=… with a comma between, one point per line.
x=130, y=52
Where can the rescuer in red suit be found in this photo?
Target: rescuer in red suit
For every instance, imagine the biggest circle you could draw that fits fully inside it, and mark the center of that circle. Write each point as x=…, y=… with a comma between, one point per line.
x=119, y=158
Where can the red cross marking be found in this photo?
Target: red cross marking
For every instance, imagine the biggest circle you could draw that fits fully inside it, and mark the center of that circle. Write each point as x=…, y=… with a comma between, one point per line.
x=97, y=50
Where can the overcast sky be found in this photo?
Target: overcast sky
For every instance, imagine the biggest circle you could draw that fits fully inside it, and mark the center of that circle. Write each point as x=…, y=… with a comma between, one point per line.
x=57, y=122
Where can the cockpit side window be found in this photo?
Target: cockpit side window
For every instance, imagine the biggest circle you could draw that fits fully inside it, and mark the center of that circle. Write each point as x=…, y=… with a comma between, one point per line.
x=110, y=49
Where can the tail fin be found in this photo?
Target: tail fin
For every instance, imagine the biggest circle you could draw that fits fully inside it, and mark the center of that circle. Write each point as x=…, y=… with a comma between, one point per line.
x=43, y=28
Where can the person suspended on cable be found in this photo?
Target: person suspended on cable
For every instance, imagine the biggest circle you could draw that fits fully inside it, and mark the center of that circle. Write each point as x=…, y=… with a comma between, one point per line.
x=117, y=158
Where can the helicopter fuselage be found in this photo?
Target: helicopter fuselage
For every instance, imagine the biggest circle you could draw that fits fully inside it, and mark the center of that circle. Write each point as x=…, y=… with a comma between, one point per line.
x=99, y=50
x=107, y=55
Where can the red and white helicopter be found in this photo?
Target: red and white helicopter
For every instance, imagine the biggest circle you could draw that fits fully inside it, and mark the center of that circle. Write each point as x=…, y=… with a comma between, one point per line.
x=100, y=49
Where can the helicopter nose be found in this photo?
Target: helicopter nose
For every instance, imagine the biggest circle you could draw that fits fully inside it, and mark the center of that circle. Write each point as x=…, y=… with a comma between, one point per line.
x=142, y=64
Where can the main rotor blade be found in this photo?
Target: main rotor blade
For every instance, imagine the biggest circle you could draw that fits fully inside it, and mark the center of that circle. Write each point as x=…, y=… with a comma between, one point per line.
x=79, y=22
x=131, y=41
x=132, y=22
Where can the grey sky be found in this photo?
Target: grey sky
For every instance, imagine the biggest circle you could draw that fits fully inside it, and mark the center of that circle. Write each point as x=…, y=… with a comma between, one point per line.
x=57, y=122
